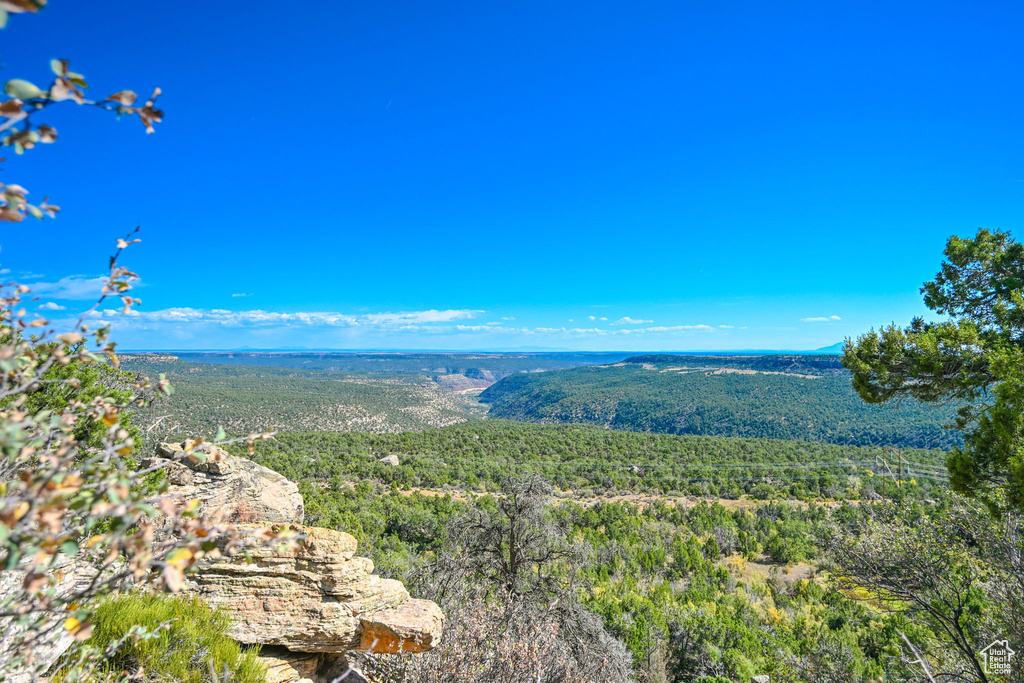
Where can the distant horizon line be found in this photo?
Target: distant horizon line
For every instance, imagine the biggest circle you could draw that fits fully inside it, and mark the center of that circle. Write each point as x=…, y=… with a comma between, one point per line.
x=832, y=349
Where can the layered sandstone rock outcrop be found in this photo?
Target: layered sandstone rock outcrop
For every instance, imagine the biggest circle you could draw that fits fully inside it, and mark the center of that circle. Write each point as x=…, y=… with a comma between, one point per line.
x=309, y=604
x=318, y=597
x=243, y=490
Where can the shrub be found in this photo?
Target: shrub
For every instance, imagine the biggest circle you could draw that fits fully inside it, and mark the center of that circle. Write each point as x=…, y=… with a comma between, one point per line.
x=193, y=638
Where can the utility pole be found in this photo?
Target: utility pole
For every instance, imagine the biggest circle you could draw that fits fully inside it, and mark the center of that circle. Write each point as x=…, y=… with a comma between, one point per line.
x=888, y=470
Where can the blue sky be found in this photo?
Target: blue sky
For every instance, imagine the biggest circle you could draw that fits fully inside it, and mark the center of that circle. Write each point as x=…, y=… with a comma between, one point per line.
x=457, y=175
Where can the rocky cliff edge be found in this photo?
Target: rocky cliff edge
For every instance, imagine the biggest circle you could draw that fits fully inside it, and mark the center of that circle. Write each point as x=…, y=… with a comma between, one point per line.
x=310, y=604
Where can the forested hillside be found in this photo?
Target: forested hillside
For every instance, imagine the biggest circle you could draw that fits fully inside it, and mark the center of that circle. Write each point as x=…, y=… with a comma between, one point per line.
x=369, y=392
x=589, y=461
x=697, y=590
x=780, y=397
x=249, y=398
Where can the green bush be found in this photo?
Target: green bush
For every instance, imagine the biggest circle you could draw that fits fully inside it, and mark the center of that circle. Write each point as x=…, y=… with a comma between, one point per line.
x=194, y=637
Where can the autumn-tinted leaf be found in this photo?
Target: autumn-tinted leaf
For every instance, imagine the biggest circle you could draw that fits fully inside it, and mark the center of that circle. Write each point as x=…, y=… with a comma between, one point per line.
x=174, y=578
x=47, y=134
x=181, y=557
x=11, y=108
x=18, y=6
x=34, y=582
x=64, y=89
x=125, y=97
x=11, y=215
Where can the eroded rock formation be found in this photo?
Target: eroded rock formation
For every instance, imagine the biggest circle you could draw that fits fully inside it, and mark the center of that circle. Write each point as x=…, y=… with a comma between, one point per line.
x=310, y=604
x=318, y=597
x=242, y=489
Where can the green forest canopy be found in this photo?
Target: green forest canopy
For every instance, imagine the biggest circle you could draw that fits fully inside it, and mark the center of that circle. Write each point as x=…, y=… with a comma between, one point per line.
x=781, y=397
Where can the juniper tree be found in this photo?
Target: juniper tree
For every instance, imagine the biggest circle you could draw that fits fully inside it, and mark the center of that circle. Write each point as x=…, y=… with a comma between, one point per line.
x=975, y=358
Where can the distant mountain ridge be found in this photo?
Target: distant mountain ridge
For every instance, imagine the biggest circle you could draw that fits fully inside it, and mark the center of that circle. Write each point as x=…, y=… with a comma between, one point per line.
x=834, y=348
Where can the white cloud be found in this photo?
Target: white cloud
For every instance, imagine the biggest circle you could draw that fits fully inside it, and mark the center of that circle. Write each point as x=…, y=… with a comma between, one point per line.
x=431, y=316
x=820, y=320
x=529, y=331
x=567, y=331
x=663, y=330
x=509, y=318
x=228, y=328
x=261, y=318
x=468, y=328
x=71, y=287
x=5, y=271
x=626, y=320
x=235, y=295
x=50, y=306
x=726, y=327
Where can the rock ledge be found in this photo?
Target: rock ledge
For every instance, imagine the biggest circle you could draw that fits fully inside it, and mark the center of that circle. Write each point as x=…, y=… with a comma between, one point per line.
x=307, y=605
